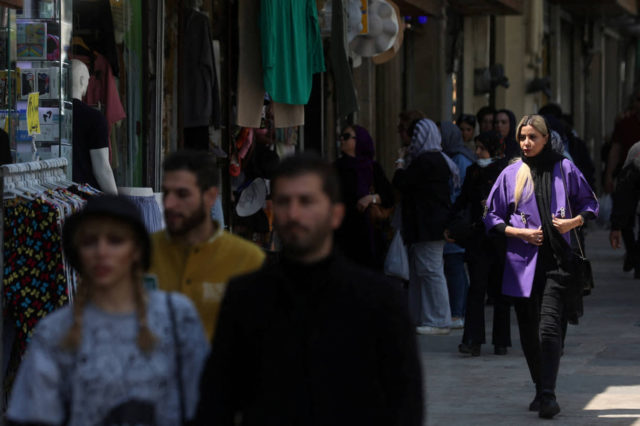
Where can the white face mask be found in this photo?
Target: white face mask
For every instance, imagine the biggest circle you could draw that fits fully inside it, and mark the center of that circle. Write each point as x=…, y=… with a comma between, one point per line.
x=484, y=162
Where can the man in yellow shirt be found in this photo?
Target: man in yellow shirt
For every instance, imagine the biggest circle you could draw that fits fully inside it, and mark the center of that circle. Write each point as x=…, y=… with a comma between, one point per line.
x=194, y=255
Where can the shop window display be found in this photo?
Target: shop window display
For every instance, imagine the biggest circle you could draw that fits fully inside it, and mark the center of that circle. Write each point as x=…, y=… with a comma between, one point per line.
x=33, y=59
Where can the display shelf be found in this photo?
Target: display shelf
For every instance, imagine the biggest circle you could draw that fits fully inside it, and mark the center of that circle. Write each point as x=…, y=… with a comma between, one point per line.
x=34, y=48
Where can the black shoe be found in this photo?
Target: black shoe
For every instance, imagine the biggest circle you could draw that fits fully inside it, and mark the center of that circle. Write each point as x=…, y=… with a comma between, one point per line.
x=636, y=273
x=548, y=406
x=473, y=350
x=500, y=350
x=535, y=404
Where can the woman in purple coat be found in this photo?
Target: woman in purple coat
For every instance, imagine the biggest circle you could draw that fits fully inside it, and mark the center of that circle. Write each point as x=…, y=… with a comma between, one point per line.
x=535, y=202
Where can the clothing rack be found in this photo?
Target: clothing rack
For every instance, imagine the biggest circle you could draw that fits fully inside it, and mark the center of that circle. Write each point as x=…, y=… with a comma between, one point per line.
x=45, y=171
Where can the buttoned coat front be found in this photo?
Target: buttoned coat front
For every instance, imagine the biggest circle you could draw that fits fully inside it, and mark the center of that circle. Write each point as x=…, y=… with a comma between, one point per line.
x=521, y=256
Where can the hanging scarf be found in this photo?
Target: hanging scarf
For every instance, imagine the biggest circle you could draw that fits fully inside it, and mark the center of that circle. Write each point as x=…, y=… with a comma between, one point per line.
x=554, y=245
x=426, y=138
x=452, y=142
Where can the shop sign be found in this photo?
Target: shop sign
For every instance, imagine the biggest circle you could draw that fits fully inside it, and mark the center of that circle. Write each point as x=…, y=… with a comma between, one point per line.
x=33, y=116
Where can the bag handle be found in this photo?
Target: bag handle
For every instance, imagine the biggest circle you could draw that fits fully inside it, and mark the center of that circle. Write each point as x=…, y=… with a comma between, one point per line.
x=566, y=194
x=178, y=357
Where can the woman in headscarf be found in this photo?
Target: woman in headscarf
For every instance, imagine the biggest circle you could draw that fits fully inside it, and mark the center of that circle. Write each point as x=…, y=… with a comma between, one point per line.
x=467, y=125
x=484, y=253
x=457, y=280
x=505, y=124
x=535, y=203
x=363, y=185
x=422, y=177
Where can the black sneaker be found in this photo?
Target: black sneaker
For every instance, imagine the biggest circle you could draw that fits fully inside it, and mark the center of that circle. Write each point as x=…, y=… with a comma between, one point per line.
x=500, y=350
x=548, y=406
x=535, y=404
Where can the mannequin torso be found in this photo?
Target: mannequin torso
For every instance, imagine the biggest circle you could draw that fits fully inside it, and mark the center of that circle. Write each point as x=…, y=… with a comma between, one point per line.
x=90, y=137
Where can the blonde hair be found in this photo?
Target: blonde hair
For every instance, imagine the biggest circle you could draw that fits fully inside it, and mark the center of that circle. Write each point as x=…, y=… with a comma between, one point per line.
x=146, y=340
x=524, y=181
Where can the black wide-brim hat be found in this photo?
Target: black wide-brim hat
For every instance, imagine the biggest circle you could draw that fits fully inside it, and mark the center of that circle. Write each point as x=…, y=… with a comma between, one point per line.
x=113, y=206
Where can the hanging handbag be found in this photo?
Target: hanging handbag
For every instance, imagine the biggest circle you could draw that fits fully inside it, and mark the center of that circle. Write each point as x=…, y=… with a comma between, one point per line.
x=583, y=274
x=377, y=213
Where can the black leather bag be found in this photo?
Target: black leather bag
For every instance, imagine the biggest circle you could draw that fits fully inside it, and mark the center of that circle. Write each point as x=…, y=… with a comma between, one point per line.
x=583, y=274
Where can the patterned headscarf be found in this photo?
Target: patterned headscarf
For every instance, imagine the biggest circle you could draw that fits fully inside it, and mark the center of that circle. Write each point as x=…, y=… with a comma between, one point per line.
x=426, y=138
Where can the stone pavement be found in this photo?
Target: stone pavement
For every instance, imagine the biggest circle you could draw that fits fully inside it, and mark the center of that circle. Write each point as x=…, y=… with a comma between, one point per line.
x=599, y=380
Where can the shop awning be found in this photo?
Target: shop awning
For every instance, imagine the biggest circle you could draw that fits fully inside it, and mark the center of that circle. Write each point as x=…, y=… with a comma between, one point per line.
x=600, y=7
x=12, y=3
x=488, y=7
x=419, y=7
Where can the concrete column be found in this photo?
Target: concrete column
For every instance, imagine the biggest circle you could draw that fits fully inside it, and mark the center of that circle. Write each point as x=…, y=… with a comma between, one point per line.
x=389, y=105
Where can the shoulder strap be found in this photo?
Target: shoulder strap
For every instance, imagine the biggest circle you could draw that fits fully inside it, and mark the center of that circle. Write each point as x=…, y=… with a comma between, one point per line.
x=566, y=194
x=178, y=357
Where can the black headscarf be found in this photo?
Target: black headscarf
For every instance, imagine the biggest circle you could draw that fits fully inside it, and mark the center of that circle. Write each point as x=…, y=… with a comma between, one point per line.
x=509, y=143
x=555, y=251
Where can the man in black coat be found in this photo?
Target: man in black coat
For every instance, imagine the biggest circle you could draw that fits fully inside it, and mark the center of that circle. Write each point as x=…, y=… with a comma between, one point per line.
x=311, y=339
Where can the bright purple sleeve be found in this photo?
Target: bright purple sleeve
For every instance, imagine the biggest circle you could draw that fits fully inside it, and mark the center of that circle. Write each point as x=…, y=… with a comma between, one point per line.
x=581, y=196
x=496, y=208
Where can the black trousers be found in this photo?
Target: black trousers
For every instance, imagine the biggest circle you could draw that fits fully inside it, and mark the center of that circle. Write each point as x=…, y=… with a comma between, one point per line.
x=486, y=265
x=541, y=320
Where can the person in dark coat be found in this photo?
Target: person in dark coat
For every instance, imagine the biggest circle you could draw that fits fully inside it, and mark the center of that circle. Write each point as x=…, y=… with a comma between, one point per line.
x=311, y=339
x=484, y=253
x=363, y=184
x=423, y=177
x=623, y=213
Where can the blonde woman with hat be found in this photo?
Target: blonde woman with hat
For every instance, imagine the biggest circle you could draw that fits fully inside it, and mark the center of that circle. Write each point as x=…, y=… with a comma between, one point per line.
x=120, y=354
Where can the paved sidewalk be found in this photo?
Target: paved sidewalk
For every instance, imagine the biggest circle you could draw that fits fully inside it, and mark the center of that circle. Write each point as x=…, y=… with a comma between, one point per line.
x=599, y=380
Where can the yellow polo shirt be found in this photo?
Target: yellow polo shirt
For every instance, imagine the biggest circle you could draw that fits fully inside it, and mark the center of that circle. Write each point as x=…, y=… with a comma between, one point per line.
x=202, y=271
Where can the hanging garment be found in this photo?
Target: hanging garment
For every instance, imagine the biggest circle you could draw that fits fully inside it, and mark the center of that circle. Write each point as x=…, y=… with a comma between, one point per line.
x=250, y=77
x=103, y=88
x=37, y=277
x=93, y=19
x=346, y=98
x=35, y=282
x=200, y=95
x=291, y=49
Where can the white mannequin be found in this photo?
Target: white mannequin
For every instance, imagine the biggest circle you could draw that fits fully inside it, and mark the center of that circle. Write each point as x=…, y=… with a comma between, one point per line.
x=99, y=157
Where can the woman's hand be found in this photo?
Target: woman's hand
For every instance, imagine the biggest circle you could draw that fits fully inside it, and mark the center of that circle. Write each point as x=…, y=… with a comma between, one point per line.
x=565, y=225
x=364, y=202
x=532, y=236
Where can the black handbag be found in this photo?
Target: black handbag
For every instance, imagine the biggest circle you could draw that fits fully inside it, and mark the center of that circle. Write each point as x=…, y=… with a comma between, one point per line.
x=583, y=274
